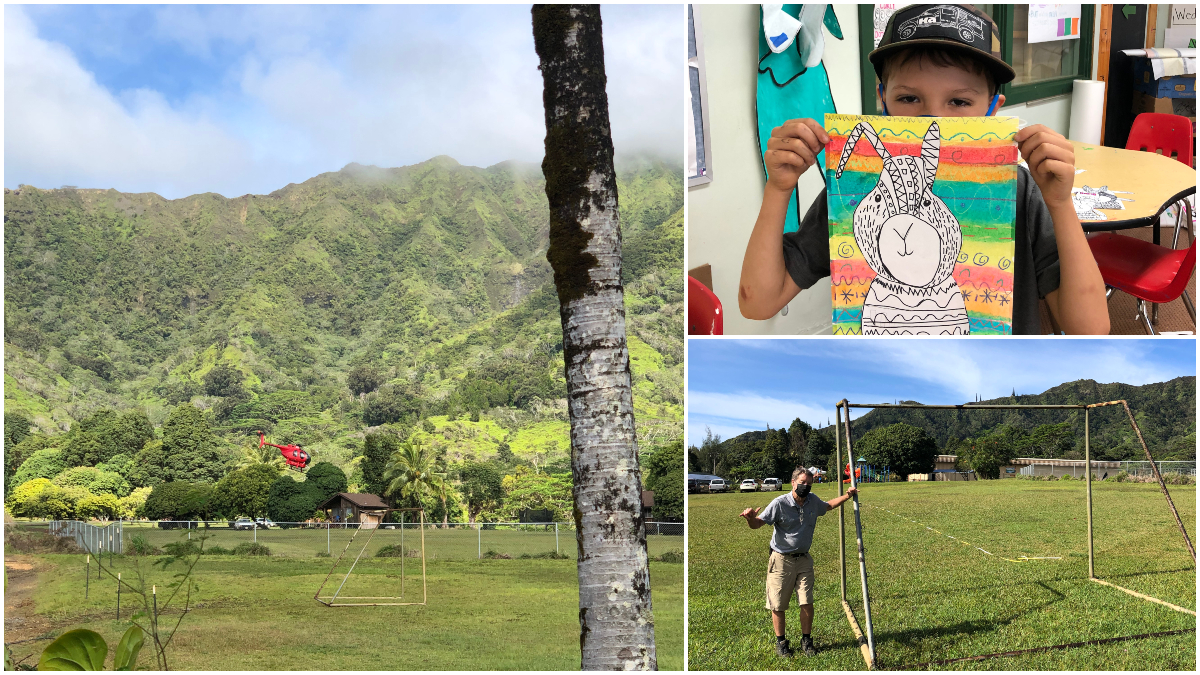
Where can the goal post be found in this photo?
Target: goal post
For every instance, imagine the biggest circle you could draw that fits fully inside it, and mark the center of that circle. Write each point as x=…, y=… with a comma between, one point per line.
x=332, y=601
x=867, y=641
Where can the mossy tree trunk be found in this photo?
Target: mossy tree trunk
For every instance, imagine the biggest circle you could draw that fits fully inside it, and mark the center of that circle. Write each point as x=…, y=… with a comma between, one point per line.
x=616, y=622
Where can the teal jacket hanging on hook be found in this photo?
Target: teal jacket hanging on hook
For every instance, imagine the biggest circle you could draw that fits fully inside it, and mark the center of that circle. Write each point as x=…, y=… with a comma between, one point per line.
x=793, y=83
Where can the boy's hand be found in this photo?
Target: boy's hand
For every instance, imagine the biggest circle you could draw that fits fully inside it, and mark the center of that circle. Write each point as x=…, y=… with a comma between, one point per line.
x=792, y=148
x=1051, y=160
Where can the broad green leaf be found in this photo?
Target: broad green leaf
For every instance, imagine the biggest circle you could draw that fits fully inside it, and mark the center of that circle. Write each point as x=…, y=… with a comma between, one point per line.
x=125, y=658
x=79, y=649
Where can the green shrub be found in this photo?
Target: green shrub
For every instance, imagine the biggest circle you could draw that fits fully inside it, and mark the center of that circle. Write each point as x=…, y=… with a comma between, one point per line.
x=140, y=545
x=1121, y=477
x=493, y=555
x=217, y=549
x=1065, y=476
x=181, y=548
x=251, y=548
x=393, y=551
x=675, y=556
x=548, y=555
x=324, y=554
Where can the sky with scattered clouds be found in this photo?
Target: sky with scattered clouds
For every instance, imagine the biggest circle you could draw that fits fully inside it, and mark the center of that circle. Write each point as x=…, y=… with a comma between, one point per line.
x=238, y=99
x=735, y=386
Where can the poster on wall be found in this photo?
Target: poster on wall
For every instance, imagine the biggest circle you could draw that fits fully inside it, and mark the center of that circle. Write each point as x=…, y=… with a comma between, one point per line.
x=882, y=14
x=1048, y=23
x=922, y=214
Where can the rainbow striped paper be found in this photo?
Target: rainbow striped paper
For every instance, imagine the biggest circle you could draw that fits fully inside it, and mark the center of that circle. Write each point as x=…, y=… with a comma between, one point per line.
x=976, y=178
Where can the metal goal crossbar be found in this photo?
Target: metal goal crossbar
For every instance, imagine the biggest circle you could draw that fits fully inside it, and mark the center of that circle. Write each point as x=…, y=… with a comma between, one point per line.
x=866, y=639
x=332, y=601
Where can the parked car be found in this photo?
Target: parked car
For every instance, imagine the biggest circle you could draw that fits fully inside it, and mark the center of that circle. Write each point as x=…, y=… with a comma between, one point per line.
x=771, y=485
x=265, y=523
x=243, y=524
x=748, y=485
x=717, y=485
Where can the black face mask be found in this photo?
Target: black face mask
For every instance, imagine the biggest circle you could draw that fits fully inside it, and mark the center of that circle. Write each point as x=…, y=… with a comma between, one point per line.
x=802, y=490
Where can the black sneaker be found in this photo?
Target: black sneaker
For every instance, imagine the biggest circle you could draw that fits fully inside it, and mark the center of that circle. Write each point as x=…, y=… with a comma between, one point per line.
x=806, y=644
x=782, y=648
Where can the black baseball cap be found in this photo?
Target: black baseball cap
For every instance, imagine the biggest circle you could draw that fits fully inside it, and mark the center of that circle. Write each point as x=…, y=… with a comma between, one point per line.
x=955, y=27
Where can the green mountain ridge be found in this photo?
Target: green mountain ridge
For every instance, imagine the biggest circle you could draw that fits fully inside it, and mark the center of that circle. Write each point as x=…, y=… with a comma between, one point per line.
x=1165, y=412
x=434, y=275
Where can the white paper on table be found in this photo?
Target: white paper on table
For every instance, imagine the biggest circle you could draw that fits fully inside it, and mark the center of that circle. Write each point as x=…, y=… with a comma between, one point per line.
x=1048, y=23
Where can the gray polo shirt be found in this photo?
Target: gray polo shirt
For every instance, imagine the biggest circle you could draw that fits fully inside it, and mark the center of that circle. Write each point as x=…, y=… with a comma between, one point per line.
x=793, y=522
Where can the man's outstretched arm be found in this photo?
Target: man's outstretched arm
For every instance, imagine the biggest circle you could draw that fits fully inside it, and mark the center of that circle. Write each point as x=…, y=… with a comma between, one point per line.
x=751, y=516
x=838, y=501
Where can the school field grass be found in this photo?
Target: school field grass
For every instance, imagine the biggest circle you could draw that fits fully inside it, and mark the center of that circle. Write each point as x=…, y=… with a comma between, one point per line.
x=455, y=543
x=934, y=598
x=258, y=613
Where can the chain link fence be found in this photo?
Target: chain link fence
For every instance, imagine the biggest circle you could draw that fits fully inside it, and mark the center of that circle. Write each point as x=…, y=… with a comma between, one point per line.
x=453, y=541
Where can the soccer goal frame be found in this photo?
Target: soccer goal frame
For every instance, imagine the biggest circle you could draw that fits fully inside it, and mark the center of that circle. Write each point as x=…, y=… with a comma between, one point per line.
x=866, y=639
x=332, y=601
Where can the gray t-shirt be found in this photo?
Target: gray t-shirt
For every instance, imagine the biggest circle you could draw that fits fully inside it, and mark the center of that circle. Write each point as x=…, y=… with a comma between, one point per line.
x=1035, y=269
x=793, y=522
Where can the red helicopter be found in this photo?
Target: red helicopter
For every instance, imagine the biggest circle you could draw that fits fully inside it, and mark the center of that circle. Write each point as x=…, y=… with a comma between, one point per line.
x=294, y=455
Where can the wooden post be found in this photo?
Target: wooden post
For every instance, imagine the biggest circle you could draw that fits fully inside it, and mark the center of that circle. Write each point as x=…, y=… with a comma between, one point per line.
x=424, y=590
x=1151, y=25
x=837, y=435
x=1087, y=456
x=1161, y=483
x=1102, y=62
x=862, y=551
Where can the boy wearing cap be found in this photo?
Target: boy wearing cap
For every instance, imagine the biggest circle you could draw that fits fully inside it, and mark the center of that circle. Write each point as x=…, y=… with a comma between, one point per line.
x=940, y=61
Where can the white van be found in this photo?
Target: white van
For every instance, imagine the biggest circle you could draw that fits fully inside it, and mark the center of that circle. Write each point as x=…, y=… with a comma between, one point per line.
x=717, y=485
x=771, y=485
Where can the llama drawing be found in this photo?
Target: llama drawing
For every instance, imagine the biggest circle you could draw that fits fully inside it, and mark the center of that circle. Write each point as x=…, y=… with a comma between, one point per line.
x=911, y=240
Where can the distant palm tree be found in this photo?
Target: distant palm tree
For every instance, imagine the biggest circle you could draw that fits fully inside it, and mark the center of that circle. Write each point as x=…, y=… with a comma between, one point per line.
x=410, y=471
x=253, y=455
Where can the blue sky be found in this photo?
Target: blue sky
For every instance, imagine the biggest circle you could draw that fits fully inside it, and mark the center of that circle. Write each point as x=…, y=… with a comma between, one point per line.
x=237, y=99
x=736, y=386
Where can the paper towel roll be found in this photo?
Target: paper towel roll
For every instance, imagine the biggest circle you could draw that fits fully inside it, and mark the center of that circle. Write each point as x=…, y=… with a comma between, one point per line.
x=1087, y=111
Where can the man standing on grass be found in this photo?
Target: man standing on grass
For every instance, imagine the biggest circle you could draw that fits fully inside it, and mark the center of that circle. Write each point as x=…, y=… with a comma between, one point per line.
x=794, y=516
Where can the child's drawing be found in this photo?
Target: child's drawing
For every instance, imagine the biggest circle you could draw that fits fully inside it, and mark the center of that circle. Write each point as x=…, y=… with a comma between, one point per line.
x=905, y=269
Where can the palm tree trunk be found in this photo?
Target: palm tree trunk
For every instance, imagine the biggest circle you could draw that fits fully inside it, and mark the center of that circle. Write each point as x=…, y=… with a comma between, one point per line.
x=615, y=617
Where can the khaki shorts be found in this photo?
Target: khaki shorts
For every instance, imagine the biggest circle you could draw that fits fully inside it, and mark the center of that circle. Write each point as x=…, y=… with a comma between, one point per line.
x=786, y=573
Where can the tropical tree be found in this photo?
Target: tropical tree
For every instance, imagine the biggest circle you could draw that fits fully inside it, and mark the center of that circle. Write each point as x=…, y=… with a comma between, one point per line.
x=615, y=615
x=482, y=487
x=253, y=455
x=412, y=472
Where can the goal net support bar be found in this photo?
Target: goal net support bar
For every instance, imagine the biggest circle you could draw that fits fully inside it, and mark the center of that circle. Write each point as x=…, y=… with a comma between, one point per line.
x=868, y=644
x=332, y=601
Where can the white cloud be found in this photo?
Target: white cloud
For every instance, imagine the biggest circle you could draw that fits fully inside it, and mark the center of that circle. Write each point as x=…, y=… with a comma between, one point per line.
x=731, y=414
x=60, y=126
x=319, y=87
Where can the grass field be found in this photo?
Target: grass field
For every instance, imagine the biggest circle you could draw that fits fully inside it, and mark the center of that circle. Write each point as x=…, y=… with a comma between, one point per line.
x=259, y=614
x=449, y=544
x=934, y=598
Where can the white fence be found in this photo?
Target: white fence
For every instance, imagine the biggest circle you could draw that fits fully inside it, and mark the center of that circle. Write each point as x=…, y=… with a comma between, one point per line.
x=452, y=541
x=94, y=539
x=1143, y=468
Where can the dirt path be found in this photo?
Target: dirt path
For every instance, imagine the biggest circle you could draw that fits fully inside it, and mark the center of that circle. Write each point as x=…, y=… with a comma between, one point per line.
x=21, y=622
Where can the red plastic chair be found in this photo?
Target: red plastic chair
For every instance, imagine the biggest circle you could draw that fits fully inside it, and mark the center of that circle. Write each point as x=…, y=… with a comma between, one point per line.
x=1170, y=134
x=1150, y=273
x=704, y=314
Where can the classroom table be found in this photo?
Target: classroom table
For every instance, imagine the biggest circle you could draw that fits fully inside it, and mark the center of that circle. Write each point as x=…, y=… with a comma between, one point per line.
x=1155, y=181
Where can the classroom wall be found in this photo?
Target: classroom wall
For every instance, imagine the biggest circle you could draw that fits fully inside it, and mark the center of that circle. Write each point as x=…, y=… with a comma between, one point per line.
x=721, y=214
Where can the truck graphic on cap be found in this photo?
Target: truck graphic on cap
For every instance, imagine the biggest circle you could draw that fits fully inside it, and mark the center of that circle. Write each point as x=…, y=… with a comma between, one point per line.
x=970, y=27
